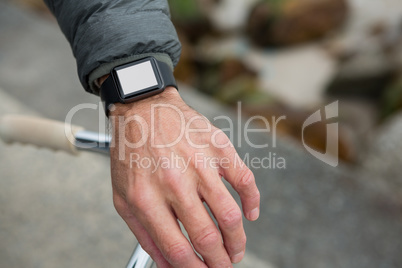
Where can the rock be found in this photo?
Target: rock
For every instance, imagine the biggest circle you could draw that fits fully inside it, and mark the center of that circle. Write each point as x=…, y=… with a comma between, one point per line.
x=296, y=76
x=229, y=80
x=383, y=161
x=363, y=76
x=289, y=22
x=341, y=49
x=188, y=19
x=227, y=15
x=358, y=119
x=367, y=62
x=392, y=98
x=369, y=51
x=231, y=68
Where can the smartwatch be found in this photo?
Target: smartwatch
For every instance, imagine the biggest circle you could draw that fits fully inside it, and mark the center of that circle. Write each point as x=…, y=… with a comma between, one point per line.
x=135, y=81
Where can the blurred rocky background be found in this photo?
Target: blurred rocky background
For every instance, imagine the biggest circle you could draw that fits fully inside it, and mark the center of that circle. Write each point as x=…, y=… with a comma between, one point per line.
x=292, y=57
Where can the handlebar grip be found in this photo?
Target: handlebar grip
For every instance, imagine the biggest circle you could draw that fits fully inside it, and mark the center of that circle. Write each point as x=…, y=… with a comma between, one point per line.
x=38, y=131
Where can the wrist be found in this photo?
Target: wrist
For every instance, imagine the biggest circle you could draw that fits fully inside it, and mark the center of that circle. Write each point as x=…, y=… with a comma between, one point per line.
x=133, y=82
x=120, y=109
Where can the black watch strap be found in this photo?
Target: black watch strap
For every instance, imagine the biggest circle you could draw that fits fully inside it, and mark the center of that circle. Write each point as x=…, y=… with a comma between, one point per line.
x=167, y=74
x=109, y=92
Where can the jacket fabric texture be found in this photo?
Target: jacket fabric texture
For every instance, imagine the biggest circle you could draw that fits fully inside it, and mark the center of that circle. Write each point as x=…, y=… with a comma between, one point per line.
x=105, y=33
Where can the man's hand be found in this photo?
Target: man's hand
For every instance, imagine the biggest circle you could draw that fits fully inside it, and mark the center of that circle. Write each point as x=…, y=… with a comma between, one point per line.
x=167, y=160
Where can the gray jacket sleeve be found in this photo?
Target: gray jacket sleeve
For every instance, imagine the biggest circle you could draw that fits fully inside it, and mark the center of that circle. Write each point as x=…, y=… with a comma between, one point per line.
x=107, y=33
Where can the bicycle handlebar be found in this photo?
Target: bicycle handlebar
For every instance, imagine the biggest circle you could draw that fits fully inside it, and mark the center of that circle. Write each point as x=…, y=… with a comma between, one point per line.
x=51, y=134
x=38, y=131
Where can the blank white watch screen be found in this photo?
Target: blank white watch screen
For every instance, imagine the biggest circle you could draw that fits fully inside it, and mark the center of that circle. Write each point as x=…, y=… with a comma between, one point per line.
x=137, y=77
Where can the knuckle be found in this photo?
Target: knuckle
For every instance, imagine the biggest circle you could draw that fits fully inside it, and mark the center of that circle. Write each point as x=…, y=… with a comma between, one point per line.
x=238, y=246
x=122, y=208
x=254, y=196
x=246, y=179
x=207, y=239
x=134, y=200
x=220, y=135
x=178, y=252
x=231, y=218
x=204, y=139
x=172, y=179
x=138, y=201
x=229, y=151
x=221, y=139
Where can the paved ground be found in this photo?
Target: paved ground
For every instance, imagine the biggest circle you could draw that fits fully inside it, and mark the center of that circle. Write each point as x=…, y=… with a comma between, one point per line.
x=56, y=209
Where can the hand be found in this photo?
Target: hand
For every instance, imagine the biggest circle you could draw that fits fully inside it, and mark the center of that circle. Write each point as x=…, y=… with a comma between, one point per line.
x=153, y=187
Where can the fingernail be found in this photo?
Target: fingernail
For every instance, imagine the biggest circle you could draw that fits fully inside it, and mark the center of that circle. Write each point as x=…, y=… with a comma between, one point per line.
x=254, y=214
x=238, y=257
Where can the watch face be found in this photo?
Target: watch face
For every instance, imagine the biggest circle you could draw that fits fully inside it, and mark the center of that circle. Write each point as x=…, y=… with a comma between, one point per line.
x=137, y=78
